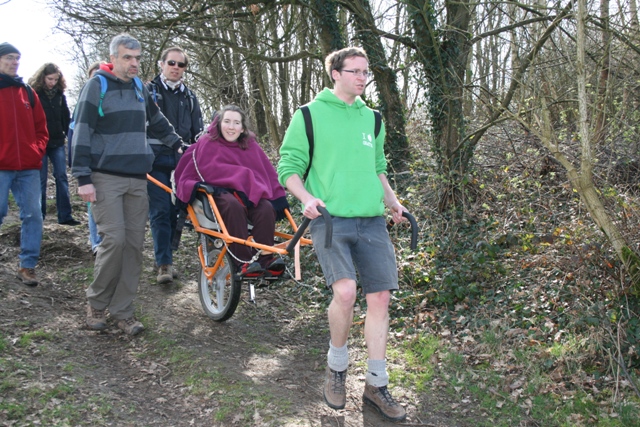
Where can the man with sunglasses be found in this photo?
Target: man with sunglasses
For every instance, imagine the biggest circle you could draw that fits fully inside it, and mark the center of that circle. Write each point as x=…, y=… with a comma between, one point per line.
x=111, y=159
x=348, y=176
x=180, y=106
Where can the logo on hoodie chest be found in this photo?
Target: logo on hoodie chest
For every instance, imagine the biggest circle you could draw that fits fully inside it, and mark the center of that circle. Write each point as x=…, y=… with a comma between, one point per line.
x=367, y=140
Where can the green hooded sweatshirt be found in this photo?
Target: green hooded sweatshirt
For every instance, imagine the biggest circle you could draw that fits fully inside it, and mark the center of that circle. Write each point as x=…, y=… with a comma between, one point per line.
x=347, y=158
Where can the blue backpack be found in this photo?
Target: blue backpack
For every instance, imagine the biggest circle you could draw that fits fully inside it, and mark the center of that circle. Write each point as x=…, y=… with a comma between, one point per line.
x=103, y=89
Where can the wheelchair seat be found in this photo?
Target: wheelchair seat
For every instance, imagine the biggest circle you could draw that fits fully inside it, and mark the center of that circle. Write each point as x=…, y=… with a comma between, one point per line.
x=204, y=213
x=203, y=210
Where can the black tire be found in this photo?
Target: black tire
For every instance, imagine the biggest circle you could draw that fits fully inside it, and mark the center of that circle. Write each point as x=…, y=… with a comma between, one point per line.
x=220, y=297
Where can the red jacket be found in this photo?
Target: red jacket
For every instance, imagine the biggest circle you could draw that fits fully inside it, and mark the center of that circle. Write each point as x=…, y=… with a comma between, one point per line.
x=23, y=130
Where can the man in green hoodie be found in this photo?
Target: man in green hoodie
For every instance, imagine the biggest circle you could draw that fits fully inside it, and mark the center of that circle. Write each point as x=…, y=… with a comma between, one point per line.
x=348, y=178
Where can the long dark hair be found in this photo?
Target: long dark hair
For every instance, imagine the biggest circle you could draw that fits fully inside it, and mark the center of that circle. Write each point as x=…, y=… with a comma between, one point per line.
x=243, y=139
x=37, y=80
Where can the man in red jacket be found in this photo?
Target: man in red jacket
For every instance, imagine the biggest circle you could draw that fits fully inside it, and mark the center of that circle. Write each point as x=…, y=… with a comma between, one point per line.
x=23, y=140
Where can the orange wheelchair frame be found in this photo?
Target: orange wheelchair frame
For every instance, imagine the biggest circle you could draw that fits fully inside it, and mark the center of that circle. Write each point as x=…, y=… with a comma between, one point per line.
x=220, y=286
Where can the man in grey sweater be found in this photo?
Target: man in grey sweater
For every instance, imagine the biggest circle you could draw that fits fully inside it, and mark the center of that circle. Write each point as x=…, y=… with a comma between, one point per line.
x=111, y=157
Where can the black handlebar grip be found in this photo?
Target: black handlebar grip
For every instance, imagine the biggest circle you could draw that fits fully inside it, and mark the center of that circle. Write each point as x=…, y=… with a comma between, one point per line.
x=298, y=235
x=305, y=224
x=414, y=229
x=328, y=233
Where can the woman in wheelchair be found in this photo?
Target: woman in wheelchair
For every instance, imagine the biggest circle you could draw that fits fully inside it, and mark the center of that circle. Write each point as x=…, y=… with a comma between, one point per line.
x=246, y=189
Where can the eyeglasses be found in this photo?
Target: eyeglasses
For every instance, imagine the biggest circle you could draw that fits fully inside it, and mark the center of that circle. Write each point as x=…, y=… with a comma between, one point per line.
x=359, y=73
x=172, y=63
x=12, y=58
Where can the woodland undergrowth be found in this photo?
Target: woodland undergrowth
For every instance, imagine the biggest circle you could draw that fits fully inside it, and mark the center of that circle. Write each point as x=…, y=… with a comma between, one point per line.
x=522, y=286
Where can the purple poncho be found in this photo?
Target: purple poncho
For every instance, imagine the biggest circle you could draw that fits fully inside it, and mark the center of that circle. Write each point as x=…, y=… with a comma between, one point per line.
x=224, y=164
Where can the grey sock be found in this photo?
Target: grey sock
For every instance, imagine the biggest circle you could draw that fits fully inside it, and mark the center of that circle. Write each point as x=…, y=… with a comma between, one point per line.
x=338, y=358
x=377, y=375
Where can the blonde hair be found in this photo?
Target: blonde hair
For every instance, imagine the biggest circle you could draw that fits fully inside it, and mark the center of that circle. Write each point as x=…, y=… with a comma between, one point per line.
x=93, y=67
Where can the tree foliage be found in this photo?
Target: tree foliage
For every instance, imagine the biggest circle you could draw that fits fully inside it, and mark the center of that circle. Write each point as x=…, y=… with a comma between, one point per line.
x=455, y=69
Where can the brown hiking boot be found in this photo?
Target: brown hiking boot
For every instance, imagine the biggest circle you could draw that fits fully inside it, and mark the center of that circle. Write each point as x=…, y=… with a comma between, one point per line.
x=380, y=398
x=28, y=276
x=165, y=274
x=130, y=326
x=96, y=319
x=334, y=390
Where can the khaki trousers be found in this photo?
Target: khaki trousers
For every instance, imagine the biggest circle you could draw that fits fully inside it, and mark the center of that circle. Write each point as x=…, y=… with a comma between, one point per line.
x=120, y=212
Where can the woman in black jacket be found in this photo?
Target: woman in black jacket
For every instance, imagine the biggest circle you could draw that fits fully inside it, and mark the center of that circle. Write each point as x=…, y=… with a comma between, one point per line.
x=49, y=84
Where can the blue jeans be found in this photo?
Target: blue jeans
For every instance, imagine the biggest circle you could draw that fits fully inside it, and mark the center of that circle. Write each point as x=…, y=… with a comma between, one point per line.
x=25, y=186
x=94, y=237
x=162, y=213
x=59, y=164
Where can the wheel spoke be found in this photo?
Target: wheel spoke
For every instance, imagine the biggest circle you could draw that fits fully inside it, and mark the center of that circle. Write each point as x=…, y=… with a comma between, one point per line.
x=221, y=295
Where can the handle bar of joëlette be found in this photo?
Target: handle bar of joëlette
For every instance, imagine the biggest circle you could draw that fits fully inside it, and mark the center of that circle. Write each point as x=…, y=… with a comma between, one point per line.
x=414, y=229
x=329, y=229
x=305, y=223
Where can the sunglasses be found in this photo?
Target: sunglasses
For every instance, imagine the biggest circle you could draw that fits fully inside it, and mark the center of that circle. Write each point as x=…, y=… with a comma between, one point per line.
x=171, y=63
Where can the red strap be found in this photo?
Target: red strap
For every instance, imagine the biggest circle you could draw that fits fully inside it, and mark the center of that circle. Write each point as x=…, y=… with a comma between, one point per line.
x=235, y=194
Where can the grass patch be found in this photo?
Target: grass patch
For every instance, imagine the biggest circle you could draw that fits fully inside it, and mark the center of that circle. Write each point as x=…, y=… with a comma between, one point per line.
x=13, y=410
x=232, y=398
x=79, y=277
x=417, y=354
x=7, y=385
x=181, y=359
x=4, y=344
x=29, y=337
x=514, y=385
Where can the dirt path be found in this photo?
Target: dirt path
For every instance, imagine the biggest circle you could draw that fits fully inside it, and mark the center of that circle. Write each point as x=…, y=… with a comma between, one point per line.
x=263, y=367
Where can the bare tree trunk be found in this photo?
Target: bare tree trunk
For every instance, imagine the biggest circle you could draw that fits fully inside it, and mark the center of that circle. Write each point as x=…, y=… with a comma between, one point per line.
x=633, y=10
x=274, y=135
x=444, y=61
x=582, y=180
x=306, y=73
x=258, y=97
x=397, y=145
x=331, y=37
x=603, y=82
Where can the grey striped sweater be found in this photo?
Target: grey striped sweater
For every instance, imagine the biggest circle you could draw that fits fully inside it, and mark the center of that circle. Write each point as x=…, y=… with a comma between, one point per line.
x=116, y=143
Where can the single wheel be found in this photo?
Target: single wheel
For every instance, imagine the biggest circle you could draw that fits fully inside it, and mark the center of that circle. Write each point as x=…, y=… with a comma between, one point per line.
x=221, y=295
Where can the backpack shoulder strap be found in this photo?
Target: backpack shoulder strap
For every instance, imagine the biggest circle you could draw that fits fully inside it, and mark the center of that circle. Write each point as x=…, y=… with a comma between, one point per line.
x=138, y=89
x=153, y=88
x=308, y=127
x=103, y=90
x=138, y=83
x=190, y=97
x=30, y=94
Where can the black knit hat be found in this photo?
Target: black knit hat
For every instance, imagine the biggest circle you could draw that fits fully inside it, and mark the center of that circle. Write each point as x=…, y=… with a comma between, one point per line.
x=6, y=48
